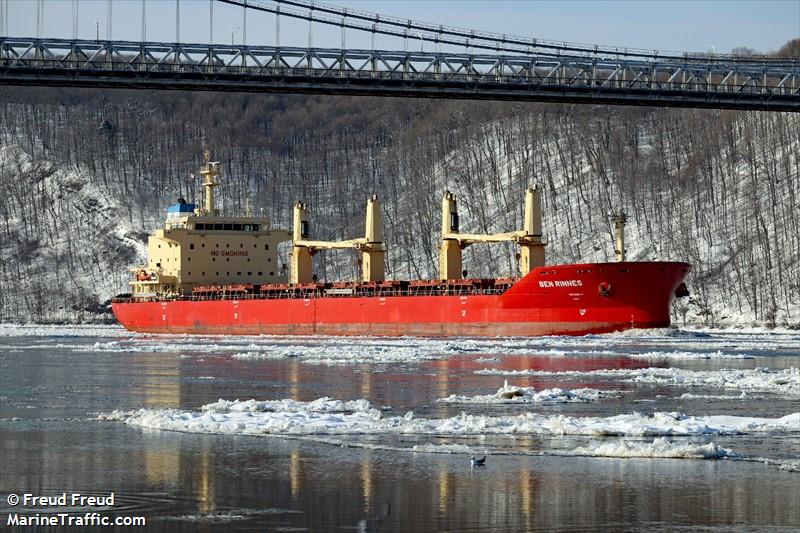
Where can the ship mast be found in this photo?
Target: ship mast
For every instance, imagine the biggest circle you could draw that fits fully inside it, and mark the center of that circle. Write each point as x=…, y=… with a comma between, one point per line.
x=619, y=218
x=210, y=172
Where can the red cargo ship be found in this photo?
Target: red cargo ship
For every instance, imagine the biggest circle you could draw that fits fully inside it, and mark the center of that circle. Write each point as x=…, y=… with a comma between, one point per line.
x=213, y=274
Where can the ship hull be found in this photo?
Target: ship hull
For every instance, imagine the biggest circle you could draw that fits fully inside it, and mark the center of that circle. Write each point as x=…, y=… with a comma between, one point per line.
x=552, y=300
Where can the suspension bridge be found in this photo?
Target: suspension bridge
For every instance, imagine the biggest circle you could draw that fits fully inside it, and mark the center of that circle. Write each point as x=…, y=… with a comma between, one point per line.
x=461, y=63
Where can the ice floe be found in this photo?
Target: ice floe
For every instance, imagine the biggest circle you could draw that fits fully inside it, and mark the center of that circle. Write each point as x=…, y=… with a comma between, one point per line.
x=721, y=397
x=512, y=394
x=789, y=466
x=317, y=350
x=659, y=448
x=47, y=330
x=678, y=355
x=306, y=418
x=785, y=381
x=440, y=448
x=320, y=405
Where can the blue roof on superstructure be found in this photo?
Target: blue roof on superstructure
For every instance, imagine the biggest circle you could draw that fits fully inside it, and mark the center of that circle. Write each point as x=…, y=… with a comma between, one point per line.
x=181, y=208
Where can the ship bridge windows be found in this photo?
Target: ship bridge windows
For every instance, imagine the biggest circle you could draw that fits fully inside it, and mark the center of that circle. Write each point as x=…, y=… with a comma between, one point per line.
x=226, y=226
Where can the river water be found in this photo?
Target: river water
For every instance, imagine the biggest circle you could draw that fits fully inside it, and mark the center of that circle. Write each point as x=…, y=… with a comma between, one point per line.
x=649, y=430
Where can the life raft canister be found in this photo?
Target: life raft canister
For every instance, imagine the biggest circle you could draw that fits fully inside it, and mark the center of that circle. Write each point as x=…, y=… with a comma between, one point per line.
x=604, y=289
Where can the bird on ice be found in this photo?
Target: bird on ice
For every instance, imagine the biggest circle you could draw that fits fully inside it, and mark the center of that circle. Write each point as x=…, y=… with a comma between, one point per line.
x=477, y=462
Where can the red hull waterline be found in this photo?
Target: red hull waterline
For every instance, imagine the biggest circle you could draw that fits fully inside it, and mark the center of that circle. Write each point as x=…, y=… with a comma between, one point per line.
x=552, y=300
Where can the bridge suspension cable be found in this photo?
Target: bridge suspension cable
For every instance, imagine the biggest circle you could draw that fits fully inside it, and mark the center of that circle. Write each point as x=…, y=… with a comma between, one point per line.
x=387, y=25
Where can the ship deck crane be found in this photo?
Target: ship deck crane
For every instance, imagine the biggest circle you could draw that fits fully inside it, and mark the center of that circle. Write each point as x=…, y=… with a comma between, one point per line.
x=370, y=246
x=529, y=238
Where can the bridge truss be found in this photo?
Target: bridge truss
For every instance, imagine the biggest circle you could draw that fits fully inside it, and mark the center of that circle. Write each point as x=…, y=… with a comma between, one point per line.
x=483, y=66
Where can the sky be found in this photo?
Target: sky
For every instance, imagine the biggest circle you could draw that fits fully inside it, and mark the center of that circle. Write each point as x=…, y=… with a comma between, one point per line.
x=670, y=25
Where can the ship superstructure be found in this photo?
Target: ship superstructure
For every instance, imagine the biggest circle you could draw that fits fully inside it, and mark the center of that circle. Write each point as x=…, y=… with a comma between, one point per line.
x=200, y=247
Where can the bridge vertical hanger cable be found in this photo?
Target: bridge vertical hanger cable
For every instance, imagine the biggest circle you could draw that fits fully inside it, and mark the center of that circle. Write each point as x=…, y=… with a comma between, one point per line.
x=244, y=25
x=310, y=27
x=109, y=14
x=144, y=21
x=278, y=27
x=177, y=21
x=210, y=22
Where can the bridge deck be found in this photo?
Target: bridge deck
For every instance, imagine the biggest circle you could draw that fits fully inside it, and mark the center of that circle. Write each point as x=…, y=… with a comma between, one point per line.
x=723, y=84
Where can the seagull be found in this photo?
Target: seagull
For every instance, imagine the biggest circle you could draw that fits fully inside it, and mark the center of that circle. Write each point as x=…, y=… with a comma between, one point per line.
x=477, y=462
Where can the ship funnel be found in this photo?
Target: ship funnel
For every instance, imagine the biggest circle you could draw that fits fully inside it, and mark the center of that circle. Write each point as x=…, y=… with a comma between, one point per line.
x=619, y=219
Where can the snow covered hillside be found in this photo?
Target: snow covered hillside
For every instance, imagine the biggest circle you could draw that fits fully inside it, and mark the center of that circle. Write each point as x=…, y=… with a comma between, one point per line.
x=83, y=181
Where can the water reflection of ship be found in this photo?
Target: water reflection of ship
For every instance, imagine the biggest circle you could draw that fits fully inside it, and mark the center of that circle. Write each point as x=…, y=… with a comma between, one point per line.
x=507, y=502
